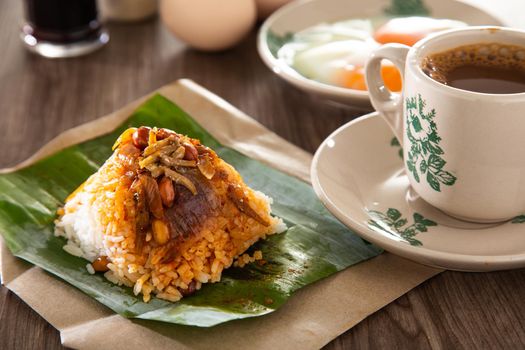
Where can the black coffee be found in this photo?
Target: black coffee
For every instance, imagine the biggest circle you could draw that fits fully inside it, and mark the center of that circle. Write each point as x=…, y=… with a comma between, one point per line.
x=486, y=67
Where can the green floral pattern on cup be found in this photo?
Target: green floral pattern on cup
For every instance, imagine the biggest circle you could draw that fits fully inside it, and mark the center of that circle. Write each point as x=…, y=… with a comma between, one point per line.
x=520, y=219
x=425, y=157
x=393, y=223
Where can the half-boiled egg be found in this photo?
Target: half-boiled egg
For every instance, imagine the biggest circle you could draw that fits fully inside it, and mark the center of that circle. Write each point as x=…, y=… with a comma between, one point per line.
x=341, y=63
x=336, y=53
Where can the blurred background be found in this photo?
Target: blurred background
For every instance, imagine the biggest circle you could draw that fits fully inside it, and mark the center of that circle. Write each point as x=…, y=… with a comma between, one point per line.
x=147, y=50
x=140, y=56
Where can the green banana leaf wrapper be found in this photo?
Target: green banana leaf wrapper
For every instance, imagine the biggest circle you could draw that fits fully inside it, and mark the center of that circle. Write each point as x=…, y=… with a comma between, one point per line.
x=315, y=245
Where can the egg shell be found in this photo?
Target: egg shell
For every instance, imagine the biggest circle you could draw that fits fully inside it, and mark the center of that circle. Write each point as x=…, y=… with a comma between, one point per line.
x=209, y=25
x=266, y=7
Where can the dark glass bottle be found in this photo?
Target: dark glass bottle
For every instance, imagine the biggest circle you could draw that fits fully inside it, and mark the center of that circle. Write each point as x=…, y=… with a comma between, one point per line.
x=62, y=28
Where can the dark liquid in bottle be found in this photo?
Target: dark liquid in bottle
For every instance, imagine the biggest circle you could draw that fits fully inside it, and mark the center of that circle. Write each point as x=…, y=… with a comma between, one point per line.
x=62, y=21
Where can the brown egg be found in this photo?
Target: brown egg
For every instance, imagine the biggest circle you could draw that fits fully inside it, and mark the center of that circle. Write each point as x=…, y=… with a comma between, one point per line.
x=209, y=25
x=267, y=7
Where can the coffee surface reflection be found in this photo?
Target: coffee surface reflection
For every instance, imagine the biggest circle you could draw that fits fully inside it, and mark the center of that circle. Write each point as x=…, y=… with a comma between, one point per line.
x=485, y=67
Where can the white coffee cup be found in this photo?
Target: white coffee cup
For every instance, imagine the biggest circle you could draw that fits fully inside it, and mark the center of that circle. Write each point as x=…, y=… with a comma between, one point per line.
x=464, y=151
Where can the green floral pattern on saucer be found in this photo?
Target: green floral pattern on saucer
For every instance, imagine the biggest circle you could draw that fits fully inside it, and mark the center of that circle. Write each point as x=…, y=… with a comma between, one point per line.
x=395, y=143
x=393, y=223
x=425, y=157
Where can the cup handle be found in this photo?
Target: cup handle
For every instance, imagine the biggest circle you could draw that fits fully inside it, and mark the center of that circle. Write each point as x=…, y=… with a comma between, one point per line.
x=387, y=103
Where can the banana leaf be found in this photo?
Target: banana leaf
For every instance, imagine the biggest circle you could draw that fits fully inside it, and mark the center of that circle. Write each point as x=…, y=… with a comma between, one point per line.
x=315, y=245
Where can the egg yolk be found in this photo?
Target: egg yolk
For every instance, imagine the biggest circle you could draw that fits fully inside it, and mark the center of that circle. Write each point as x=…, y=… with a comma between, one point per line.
x=410, y=30
x=354, y=78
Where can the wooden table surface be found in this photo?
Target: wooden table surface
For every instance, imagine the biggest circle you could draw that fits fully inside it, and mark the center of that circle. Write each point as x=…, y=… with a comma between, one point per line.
x=39, y=98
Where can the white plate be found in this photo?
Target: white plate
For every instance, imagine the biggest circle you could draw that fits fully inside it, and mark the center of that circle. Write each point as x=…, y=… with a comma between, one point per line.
x=357, y=172
x=299, y=15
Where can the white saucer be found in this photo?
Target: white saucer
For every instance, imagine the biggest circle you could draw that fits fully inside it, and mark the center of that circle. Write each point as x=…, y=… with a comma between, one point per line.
x=357, y=172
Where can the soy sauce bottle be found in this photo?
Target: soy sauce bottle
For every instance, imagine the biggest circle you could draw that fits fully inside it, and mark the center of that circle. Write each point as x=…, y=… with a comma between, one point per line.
x=62, y=28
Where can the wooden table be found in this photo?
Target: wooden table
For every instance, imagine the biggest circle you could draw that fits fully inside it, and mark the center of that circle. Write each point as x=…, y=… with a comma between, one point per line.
x=40, y=98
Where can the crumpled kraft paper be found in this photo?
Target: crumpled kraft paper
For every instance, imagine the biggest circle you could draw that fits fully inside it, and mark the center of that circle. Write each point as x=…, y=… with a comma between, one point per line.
x=310, y=319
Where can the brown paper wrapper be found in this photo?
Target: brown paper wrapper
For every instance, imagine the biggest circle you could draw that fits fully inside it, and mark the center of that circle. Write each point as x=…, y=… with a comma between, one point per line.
x=311, y=318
